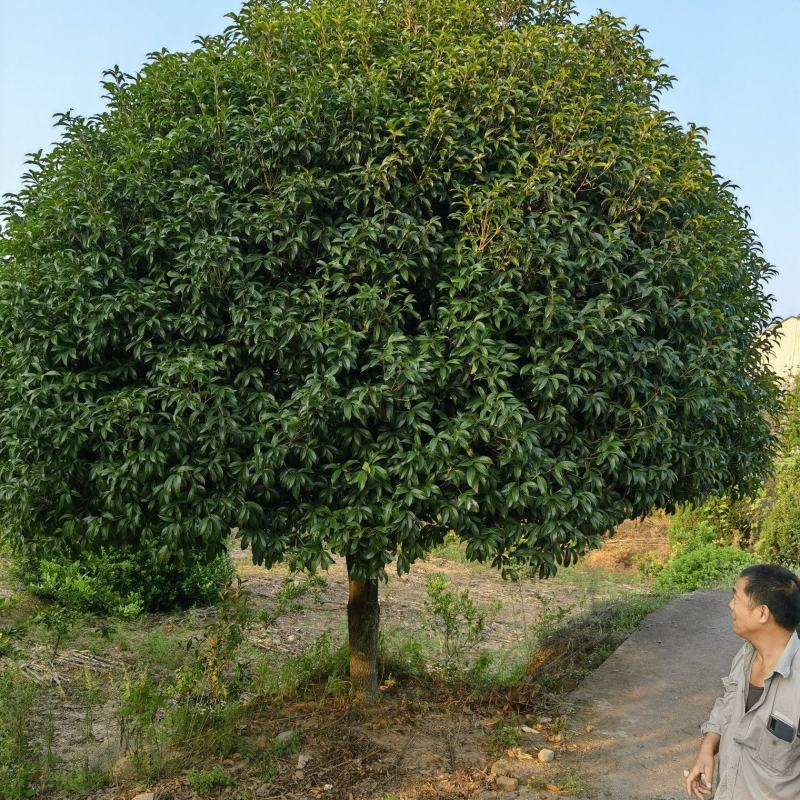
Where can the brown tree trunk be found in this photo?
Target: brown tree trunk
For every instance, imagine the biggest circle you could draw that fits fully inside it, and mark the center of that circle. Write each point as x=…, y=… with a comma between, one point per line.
x=363, y=615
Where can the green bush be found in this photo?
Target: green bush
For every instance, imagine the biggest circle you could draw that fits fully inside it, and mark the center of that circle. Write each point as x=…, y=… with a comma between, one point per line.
x=127, y=582
x=704, y=567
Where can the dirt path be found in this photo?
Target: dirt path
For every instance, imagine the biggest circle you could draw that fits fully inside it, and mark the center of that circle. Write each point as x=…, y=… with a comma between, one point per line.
x=646, y=702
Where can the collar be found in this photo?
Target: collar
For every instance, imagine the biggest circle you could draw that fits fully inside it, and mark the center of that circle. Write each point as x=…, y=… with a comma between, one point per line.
x=784, y=665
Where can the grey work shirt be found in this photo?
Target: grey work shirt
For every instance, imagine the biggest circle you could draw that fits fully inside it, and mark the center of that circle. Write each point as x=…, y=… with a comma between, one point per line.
x=753, y=762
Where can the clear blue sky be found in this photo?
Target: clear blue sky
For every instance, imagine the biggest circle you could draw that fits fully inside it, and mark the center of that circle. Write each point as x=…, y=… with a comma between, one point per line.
x=736, y=64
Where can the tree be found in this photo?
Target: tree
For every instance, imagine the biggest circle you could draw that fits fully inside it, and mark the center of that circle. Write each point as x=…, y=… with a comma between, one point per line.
x=355, y=274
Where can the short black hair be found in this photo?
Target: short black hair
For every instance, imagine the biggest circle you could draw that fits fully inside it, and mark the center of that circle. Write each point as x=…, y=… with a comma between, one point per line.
x=778, y=589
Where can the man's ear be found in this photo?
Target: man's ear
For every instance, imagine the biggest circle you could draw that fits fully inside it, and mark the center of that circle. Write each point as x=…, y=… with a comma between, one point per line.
x=764, y=614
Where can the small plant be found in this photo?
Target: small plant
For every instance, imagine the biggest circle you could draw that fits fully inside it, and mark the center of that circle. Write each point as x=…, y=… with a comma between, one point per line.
x=204, y=782
x=58, y=622
x=455, y=618
x=505, y=734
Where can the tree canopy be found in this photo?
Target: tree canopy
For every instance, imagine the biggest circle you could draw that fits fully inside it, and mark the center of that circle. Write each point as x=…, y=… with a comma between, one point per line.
x=360, y=272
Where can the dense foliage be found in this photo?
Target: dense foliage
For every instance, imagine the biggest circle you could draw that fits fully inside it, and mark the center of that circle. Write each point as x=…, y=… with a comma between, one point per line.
x=357, y=273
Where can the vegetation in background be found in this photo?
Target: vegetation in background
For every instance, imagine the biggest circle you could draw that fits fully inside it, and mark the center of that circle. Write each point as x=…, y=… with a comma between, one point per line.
x=736, y=522
x=780, y=532
x=351, y=275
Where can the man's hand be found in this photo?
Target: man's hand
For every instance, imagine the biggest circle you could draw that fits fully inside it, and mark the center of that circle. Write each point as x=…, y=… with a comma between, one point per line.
x=700, y=778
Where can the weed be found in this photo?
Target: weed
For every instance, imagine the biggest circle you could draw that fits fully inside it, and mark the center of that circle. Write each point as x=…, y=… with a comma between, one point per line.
x=141, y=704
x=551, y=616
x=8, y=635
x=205, y=709
x=90, y=696
x=648, y=564
x=204, y=782
x=286, y=747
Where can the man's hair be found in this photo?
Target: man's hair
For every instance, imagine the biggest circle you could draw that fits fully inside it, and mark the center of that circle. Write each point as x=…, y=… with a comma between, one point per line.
x=776, y=588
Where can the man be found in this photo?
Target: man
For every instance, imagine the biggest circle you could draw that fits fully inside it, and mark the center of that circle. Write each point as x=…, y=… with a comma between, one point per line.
x=754, y=725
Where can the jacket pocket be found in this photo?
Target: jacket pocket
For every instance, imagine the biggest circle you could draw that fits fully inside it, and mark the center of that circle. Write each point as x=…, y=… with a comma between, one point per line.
x=777, y=755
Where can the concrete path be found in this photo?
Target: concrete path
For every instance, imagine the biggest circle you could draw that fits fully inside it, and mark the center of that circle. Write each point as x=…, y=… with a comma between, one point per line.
x=647, y=701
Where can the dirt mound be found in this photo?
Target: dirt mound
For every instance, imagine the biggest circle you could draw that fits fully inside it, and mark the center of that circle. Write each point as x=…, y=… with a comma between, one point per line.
x=636, y=541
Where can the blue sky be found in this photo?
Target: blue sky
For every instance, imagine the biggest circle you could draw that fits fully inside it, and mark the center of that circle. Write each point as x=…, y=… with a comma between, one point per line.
x=735, y=62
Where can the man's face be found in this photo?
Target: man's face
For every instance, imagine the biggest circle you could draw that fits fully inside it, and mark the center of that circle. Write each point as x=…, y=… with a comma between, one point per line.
x=747, y=618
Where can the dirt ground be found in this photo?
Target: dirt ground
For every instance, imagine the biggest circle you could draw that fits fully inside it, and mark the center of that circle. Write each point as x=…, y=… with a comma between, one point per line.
x=418, y=742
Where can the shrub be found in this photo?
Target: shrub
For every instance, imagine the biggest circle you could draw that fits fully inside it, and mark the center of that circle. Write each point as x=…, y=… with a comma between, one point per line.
x=126, y=582
x=455, y=619
x=705, y=566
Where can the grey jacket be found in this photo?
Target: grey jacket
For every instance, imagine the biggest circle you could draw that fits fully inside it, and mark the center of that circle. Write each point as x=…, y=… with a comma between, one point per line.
x=753, y=762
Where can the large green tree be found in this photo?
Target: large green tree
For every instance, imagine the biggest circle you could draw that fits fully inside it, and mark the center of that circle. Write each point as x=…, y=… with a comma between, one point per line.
x=360, y=272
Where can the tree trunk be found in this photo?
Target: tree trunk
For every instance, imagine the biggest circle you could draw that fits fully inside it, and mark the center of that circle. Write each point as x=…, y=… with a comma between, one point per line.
x=363, y=614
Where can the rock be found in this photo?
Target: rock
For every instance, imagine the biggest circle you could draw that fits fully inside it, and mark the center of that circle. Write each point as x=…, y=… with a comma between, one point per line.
x=263, y=790
x=506, y=783
x=589, y=728
x=284, y=737
x=327, y=787
x=546, y=755
x=299, y=775
x=528, y=729
x=144, y=796
x=291, y=638
x=545, y=720
x=302, y=760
